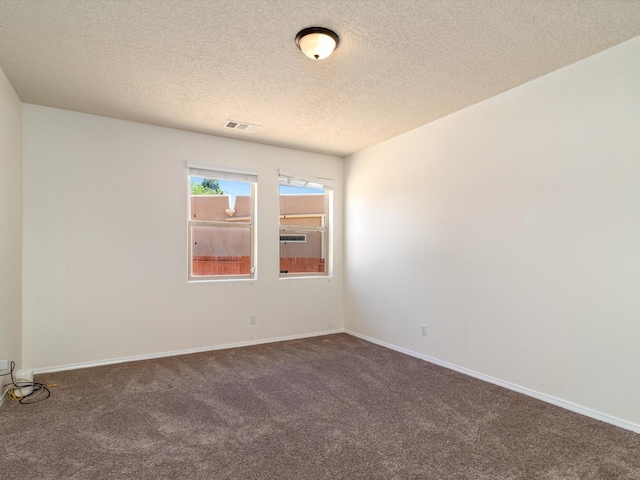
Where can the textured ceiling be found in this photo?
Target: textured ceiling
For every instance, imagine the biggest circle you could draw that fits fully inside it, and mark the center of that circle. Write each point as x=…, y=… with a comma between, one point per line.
x=194, y=64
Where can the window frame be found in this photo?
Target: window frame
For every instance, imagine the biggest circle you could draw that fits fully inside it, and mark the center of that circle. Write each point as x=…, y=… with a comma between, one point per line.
x=224, y=173
x=305, y=181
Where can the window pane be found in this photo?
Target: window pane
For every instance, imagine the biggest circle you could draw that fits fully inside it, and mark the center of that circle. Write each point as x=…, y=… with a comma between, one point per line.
x=304, y=254
x=303, y=229
x=302, y=206
x=215, y=199
x=220, y=250
x=220, y=223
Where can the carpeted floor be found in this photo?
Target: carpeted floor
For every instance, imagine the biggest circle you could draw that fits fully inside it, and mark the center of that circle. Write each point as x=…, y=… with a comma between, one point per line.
x=332, y=407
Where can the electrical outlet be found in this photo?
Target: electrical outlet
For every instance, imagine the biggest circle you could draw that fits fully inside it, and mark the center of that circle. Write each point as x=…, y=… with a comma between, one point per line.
x=252, y=319
x=423, y=330
x=4, y=364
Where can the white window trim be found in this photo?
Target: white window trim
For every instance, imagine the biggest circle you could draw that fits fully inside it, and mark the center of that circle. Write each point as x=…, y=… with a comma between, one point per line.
x=287, y=177
x=226, y=173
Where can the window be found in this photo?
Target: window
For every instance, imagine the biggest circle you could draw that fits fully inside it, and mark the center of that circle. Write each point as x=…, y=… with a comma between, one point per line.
x=221, y=223
x=304, y=224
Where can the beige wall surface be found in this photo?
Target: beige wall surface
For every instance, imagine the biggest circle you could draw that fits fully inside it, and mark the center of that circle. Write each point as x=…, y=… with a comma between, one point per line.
x=293, y=204
x=229, y=241
x=221, y=241
x=110, y=279
x=511, y=229
x=209, y=207
x=311, y=248
x=10, y=223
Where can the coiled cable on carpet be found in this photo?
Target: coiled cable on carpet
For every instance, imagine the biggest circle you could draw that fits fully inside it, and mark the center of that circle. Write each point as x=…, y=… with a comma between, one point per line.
x=17, y=387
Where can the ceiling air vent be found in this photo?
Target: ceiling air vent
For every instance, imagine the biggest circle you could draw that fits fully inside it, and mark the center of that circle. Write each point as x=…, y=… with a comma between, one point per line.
x=243, y=127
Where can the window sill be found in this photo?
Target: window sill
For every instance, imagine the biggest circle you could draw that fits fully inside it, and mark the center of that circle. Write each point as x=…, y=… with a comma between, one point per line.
x=294, y=276
x=221, y=279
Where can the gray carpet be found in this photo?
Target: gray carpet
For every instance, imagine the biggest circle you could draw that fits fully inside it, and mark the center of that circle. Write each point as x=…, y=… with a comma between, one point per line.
x=332, y=407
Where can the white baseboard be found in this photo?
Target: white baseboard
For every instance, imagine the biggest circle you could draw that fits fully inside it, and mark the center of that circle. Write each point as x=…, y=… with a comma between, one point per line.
x=472, y=373
x=135, y=358
x=511, y=386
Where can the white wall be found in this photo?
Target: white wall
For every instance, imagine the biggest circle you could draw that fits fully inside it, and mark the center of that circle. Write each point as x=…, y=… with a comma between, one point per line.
x=105, y=244
x=511, y=229
x=10, y=223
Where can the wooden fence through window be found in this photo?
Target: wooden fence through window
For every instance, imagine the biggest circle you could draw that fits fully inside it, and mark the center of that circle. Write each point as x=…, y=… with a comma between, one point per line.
x=300, y=265
x=206, y=265
x=241, y=265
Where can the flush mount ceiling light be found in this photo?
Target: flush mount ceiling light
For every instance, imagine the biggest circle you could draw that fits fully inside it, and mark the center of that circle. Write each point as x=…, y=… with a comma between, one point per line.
x=317, y=42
